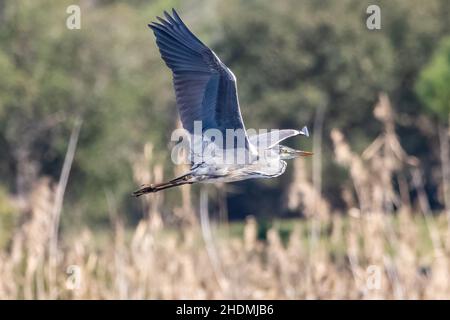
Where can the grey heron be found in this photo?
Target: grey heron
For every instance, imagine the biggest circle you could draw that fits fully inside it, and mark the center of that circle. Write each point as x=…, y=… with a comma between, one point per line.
x=206, y=92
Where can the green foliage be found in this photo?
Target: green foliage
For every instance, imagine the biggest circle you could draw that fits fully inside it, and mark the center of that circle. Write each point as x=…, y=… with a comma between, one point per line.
x=433, y=86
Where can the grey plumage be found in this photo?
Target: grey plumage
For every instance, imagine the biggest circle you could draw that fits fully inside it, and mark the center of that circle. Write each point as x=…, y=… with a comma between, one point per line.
x=204, y=86
x=206, y=91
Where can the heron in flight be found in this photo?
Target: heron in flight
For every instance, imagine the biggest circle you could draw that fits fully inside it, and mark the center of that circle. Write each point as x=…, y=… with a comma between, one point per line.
x=206, y=93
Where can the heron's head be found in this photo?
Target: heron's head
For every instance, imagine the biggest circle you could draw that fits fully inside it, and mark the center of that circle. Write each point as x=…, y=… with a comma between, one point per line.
x=287, y=153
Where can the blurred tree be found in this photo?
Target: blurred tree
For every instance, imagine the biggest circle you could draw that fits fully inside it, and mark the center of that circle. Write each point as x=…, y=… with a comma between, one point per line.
x=433, y=85
x=434, y=90
x=51, y=74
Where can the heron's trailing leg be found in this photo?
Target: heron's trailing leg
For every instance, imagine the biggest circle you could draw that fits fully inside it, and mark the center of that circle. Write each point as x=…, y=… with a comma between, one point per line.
x=184, y=179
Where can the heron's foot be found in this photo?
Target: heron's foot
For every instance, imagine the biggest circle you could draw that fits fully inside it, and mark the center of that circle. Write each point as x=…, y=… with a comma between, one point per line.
x=151, y=188
x=145, y=188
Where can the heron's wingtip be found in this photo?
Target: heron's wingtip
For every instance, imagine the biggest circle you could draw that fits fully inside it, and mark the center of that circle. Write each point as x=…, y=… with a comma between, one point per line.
x=152, y=25
x=305, y=131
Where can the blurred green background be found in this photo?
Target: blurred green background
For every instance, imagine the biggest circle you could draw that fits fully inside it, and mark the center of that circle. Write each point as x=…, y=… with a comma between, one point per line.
x=291, y=58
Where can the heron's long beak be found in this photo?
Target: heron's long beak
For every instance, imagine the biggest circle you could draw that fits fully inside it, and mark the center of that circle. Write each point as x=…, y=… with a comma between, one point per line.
x=301, y=153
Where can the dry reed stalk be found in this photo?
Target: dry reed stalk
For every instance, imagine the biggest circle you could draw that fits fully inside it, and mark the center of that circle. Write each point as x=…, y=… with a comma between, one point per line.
x=444, y=134
x=57, y=206
x=120, y=262
x=211, y=246
x=317, y=176
x=304, y=196
x=250, y=233
x=186, y=212
x=36, y=236
x=372, y=174
x=358, y=173
x=146, y=172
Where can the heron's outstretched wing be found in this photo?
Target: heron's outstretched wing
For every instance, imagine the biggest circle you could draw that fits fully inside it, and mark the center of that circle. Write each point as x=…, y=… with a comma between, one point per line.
x=272, y=138
x=205, y=88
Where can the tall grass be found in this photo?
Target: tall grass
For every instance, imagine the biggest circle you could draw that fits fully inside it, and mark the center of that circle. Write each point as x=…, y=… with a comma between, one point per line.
x=384, y=246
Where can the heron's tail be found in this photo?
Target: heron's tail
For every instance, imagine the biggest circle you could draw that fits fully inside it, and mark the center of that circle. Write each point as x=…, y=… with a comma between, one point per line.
x=152, y=188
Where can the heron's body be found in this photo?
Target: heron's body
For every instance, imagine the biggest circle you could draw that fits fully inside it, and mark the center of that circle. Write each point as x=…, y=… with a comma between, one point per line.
x=208, y=173
x=206, y=91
